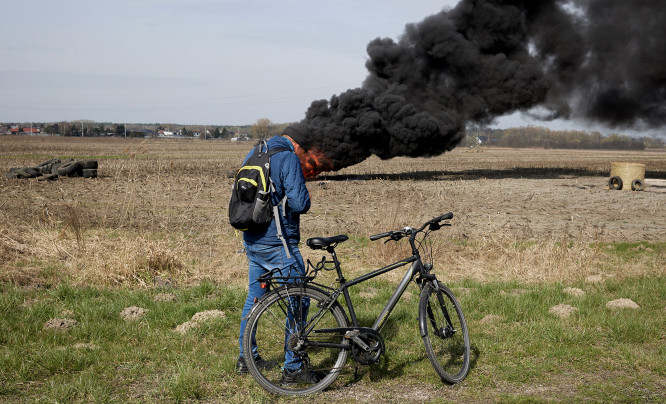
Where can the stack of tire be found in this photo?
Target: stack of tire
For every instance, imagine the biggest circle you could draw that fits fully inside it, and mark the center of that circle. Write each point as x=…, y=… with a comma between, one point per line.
x=52, y=169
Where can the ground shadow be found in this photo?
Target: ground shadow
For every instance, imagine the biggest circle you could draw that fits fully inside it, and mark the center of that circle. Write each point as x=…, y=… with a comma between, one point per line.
x=391, y=369
x=518, y=172
x=388, y=367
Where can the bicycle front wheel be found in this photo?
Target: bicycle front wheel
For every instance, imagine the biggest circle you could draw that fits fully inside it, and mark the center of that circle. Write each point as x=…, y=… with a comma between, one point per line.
x=297, y=334
x=444, y=333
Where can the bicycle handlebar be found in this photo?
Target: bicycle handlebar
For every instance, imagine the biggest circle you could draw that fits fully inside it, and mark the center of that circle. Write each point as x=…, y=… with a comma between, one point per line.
x=434, y=223
x=380, y=235
x=445, y=216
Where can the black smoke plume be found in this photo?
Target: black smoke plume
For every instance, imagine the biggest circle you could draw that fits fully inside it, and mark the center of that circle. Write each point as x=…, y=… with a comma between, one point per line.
x=602, y=61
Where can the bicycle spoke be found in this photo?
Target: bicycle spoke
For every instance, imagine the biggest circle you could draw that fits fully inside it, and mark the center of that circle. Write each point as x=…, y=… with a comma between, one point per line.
x=294, y=326
x=446, y=339
x=278, y=325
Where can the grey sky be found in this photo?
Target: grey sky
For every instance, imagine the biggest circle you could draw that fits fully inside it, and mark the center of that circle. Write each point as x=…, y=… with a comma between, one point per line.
x=224, y=62
x=202, y=61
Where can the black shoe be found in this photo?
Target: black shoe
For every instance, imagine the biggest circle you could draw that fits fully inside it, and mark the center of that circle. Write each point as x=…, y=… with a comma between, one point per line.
x=242, y=369
x=302, y=375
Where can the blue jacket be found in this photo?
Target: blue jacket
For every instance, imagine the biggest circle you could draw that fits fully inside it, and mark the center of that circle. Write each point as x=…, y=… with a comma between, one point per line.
x=287, y=176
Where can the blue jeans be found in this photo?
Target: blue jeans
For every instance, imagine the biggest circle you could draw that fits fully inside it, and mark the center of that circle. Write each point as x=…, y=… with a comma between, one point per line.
x=264, y=258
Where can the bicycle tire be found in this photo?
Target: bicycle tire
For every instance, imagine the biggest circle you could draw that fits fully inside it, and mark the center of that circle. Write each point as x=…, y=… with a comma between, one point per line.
x=448, y=354
x=267, y=323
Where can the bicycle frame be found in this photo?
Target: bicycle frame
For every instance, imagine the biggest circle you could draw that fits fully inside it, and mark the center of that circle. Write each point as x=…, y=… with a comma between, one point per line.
x=416, y=266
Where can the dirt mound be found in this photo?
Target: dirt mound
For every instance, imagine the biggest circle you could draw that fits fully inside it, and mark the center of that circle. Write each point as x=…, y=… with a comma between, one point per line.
x=165, y=297
x=198, y=318
x=132, y=313
x=186, y=327
x=562, y=310
x=575, y=292
x=60, y=324
x=207, y=315
x=490, y=318
x=623, y=304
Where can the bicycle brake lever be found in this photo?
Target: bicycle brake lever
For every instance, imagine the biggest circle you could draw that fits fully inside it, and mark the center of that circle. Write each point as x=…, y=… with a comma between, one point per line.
x=395, y=237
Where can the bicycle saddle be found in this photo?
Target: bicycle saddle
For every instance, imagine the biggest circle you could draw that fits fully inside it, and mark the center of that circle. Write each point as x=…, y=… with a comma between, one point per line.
x=318, y=243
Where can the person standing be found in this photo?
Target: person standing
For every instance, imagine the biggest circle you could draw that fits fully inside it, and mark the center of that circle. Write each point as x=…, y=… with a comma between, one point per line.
x=266, y=251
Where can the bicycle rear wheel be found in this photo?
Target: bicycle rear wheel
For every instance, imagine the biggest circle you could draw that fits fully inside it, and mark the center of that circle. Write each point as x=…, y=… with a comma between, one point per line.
x=283, y=341
x=444, y=333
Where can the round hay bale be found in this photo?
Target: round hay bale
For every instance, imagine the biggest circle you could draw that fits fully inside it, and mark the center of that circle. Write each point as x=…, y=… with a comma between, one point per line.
x=628, y=172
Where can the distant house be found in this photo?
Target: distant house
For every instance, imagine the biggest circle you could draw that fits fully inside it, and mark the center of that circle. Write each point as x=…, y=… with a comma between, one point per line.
x=147, y=133
x=30, y=131
x=240, y=138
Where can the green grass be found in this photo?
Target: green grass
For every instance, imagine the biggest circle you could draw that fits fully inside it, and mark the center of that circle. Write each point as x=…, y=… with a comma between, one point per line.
x=525, y=355
x=630, y=251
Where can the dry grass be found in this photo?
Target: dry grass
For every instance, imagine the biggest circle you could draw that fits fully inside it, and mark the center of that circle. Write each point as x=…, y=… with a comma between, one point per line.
x=158, y=208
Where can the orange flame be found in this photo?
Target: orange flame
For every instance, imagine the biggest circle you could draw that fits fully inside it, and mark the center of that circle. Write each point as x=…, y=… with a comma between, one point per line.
x=313, y=161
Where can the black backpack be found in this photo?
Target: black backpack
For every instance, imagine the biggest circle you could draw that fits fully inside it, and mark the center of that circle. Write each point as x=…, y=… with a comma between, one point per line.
x=251, y=207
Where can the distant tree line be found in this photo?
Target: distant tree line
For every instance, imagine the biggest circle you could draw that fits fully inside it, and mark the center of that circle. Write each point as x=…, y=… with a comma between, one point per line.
x=262, y=129
x=541, y=137
x=94, y=129
x=528, y=136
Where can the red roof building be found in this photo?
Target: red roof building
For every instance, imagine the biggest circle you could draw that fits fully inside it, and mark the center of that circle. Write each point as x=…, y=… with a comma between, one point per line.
x=23, y=130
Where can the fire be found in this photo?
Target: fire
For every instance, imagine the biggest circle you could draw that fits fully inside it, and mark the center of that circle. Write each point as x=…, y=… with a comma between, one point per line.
x=313, y=161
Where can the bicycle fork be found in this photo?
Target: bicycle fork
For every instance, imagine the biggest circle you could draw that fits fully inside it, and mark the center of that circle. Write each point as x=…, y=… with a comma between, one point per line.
x=442, y=332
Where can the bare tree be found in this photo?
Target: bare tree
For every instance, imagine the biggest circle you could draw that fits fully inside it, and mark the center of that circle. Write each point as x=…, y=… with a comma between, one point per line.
x=262, y=128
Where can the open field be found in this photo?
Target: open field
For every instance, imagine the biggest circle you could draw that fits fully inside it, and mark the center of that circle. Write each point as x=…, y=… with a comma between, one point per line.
x=159, y=207
x=528, y=224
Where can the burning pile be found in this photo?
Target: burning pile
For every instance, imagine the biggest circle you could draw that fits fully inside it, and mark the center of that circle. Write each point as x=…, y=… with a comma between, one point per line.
x=595, y=60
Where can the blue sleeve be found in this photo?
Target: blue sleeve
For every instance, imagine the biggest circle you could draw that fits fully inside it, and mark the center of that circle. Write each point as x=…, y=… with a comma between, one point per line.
x=298, y=197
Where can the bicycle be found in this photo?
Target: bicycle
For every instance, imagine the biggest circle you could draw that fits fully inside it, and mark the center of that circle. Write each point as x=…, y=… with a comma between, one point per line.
x=306, y=319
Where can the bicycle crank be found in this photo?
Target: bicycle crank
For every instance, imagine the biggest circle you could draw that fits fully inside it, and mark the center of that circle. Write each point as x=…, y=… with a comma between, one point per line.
x=367, y=345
